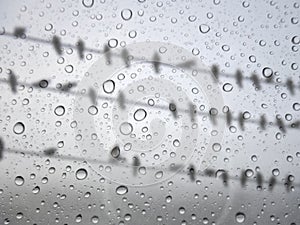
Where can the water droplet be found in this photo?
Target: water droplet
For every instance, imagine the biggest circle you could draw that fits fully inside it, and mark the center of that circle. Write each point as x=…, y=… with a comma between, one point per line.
x=43, y=83
x=59, y=110
x=267, y=72
x=216, y=147
x=81, y=174
x=93, y=110
x=126, y=14
x=109, y=86
x=126, y=128
x=115, y=152
x=168, y=199
x=181, y=210
x=296, y=40
x=69, y=68
x=78, y=218
x=249, y=173
x=88, y=3
x=240, y=217
x=204, y=28
x=36, y=190
x=19, y=128
x=121, y=190
x=254, y=158
x=19, y=180
x=159, y=174
x=140, y=114
x=95, y=219
x=112, y=43
x=176, y=143
x=227, y=87
x=296, y=106
x=275, y=172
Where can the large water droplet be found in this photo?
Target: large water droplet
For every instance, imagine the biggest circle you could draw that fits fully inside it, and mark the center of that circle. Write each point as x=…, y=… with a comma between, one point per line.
x=109, y=86
x=81, y=174
x=296, y=106
x=88, y=3
x=121, y=190
x=216, y=147
x=19, y=180
x=140, y=114
x=93, y=110
x=59, y=110
x=126, y=128
x=240, y=217
x=126, y=14
x=267, y=72
x=19, y=128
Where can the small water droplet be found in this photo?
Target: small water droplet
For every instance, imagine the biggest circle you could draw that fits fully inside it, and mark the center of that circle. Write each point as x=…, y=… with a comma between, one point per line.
x=204, y=28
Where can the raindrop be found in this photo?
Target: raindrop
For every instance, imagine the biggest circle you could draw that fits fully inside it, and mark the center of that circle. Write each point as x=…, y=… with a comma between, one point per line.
x=240, y=217
x=88, y=3
x=115, y=152
x=43, y=83
x=275, y=172
x=204, y=28
x=19, y=180
x=296, y=40
x=109, y=86
x=176, y=143
x=253, y=158
x=225, y=48
x=168, y=199
x=142, y=170
x=227, y=87
x=140, y=114
x=81, y=174
x=78, y=218
x=93, y=110
x=121, y=190
x=126, y=128
x=216, y=147
x=112, y=43
x=19, y=128
x=159, y=174
x=95, y=219
x=296, y=106
x=69, y=68
x=126, y=14
x=36, y=190
x=249, y=173
x=267, y=72
x=59, y=110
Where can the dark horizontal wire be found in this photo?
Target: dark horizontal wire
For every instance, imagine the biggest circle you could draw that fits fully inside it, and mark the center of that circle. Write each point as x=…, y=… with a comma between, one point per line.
x=294, y=125
x=270, y=81
x=210, y=173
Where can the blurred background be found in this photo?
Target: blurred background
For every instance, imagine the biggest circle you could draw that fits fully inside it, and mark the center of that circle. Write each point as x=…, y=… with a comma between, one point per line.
x=149, y=112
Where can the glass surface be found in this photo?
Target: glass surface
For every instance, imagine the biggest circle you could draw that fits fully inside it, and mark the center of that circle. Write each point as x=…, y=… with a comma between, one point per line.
x=149, y=112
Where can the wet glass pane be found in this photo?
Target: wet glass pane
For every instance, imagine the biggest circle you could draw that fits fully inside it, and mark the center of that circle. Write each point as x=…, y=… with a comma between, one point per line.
x=149, y=112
